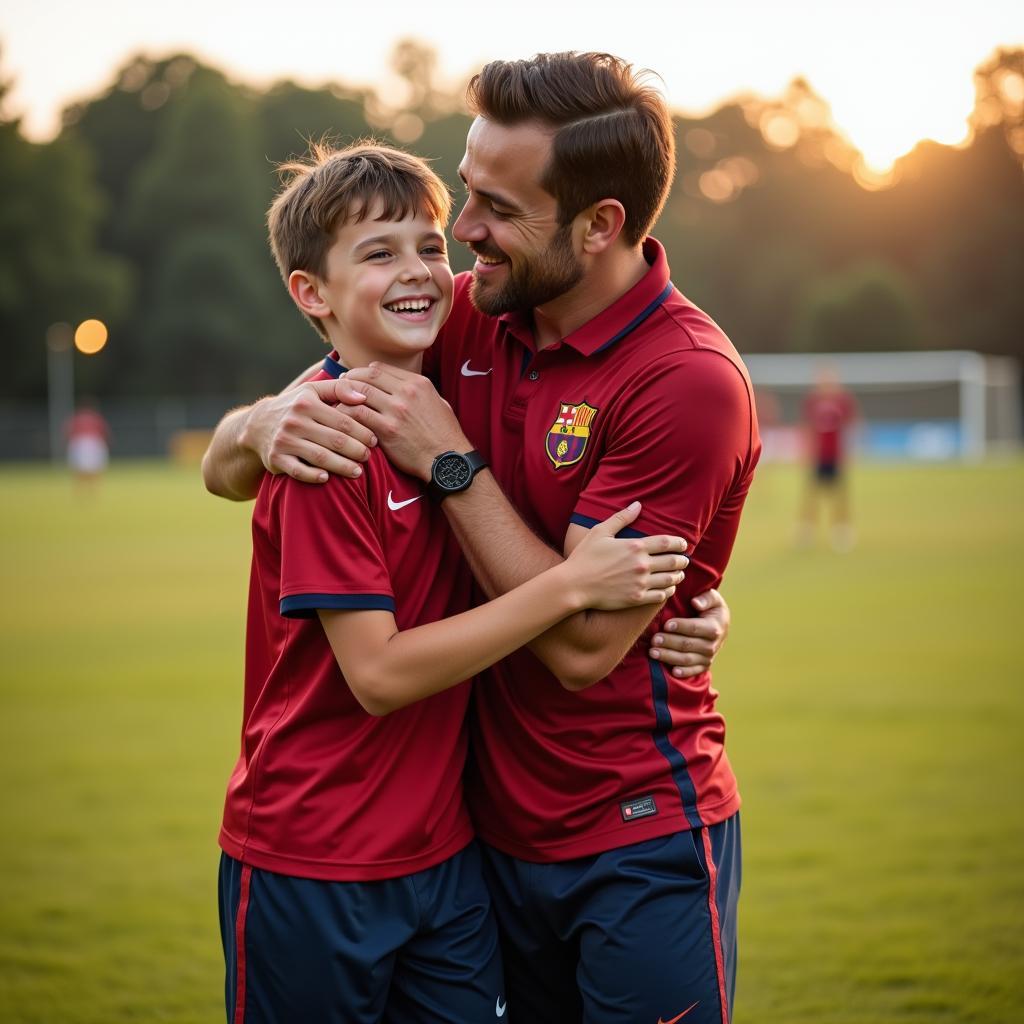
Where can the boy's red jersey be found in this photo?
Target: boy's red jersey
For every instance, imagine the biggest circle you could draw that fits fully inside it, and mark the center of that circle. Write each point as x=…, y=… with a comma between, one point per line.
x=321, y=788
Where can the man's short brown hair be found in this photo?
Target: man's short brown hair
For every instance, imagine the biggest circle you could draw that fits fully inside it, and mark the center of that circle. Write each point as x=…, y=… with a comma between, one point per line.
x=333, y=187
x=613, y=137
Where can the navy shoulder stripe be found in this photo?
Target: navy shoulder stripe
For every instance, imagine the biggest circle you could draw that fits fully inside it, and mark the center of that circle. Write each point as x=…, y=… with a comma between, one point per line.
x=305, y=606
x=589, y=522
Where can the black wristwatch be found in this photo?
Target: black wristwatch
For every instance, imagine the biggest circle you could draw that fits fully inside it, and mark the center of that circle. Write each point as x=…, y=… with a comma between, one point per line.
x=452, y=473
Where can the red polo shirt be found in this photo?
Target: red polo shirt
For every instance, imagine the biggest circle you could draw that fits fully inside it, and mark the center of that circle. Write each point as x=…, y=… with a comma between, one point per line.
x=322, y=789
x=649, y=401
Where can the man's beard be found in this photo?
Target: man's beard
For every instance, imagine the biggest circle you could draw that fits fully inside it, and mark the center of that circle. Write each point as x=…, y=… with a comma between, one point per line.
x=534, y=281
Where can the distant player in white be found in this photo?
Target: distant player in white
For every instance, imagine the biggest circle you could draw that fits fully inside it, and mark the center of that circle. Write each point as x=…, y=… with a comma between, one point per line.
x=88, y=438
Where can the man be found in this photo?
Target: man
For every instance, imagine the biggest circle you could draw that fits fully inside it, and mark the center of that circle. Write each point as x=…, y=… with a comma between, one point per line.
x=829, y=414
x=606, y=803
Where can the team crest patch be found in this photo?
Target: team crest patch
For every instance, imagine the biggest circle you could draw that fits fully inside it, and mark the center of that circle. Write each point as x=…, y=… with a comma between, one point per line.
x=568, y=435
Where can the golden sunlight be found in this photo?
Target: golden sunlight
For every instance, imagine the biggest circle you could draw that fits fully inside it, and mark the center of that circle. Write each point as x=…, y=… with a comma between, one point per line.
x=884, y=121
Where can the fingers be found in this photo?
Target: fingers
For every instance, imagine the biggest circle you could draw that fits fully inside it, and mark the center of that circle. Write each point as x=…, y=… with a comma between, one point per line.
x=385, y=378
x=708, y=600
x=663, y=580
x=681, y=650
x=371, y=395
x=662, y=543
x=701, y=629
x=314, y=450
x=668, y=563
x=331, y=389
x=614, y=523
x=682, y=664
x=689, y=671
x=322, y=461
x=308, y=474
x=356, y=437
x=657, y=596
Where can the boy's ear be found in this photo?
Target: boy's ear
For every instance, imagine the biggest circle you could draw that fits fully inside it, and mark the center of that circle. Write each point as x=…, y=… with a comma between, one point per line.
x=304, y=288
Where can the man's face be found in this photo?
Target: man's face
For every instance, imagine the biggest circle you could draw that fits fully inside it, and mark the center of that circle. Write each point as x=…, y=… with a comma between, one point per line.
x=524, y=258
x=388, y=286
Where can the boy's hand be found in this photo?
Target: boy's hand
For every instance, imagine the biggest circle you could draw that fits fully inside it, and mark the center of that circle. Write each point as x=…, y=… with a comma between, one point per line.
x=690, y=645
x=624, y=572
x=412, y=421
x=297, y=432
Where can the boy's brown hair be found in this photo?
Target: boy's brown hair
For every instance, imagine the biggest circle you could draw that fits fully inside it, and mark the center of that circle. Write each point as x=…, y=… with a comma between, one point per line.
x=613, y=133
x=333, y=187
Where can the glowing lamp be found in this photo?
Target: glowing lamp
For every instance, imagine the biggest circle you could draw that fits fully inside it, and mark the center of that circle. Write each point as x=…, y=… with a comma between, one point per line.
x=90, y=336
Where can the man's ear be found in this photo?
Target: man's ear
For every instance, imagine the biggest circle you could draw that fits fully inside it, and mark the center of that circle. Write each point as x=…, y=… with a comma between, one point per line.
x=603, y=223
x=304, y=288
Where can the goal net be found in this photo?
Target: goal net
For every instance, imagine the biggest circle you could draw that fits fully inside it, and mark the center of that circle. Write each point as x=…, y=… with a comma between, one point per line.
x=912, y=405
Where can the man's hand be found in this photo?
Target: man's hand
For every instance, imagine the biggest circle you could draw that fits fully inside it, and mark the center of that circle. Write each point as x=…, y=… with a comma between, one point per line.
x=297, y=432
x=413, y=422
x=690, y=645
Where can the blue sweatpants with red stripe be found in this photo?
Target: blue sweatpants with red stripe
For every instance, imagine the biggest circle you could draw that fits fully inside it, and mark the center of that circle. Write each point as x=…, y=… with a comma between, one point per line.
x=643, y=933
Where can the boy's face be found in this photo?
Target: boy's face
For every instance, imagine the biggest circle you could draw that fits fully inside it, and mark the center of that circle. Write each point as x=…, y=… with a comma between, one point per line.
x=388, y=286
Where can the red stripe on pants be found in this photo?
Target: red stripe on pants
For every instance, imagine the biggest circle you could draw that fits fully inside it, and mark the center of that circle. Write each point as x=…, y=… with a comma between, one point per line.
x=716, y=928
x=243, y=908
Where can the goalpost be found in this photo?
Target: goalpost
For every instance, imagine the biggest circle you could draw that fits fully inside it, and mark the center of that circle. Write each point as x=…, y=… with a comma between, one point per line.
x=917, y=405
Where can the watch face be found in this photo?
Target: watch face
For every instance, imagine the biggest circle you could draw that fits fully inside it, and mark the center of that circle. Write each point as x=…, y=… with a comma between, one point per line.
x=452, y=472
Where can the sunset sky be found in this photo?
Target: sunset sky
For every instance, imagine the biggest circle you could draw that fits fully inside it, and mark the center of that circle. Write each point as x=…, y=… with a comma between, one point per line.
x=894, y=72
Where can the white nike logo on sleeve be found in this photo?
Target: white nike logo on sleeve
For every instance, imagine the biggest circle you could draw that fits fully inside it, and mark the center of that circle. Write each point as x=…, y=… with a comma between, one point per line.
x=467, y=372
x=396, y=505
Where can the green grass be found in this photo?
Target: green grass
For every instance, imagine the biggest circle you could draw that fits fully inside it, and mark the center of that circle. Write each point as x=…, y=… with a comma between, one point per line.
x=874, y=700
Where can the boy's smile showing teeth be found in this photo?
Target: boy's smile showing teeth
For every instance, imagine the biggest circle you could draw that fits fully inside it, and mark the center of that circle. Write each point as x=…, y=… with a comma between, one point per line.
x=412, y=308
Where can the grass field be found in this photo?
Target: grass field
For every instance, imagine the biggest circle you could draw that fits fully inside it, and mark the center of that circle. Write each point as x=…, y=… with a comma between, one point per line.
x=875, y=703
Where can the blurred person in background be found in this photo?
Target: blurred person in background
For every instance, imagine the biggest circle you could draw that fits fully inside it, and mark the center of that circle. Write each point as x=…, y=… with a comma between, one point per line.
x=602, y=792
x=829, y=414
x=88, y=440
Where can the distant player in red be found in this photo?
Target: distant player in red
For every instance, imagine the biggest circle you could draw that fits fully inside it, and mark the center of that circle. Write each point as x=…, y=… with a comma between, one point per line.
x=603, y=792
x=829, y=414
x=88, y=438
x=351, y=892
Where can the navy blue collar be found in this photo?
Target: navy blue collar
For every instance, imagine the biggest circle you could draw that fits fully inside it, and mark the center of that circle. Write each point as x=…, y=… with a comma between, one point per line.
x=332, y=367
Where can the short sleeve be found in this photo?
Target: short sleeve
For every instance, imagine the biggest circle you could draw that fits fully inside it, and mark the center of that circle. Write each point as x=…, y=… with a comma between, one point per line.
x=331, y=552
x=681, y=443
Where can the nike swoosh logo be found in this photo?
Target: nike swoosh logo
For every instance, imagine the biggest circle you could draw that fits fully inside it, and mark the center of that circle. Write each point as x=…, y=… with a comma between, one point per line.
x=467, y=372
x=396, y=505
x=678, y=1016
x=499, y=1006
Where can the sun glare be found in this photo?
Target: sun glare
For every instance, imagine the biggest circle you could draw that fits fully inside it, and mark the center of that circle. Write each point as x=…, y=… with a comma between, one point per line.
x=902, y=97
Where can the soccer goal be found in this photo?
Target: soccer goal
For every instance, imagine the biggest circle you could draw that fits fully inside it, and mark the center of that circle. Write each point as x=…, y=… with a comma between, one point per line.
x=917, y=405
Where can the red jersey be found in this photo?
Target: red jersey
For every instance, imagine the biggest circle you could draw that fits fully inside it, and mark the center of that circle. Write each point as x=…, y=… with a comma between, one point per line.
x=829, y=414
x=647, y=401
x=87, y=423
x=321, y=788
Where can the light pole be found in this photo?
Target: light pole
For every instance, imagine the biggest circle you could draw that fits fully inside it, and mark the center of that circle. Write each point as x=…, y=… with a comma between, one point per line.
x=89, y=337
x=60, y=384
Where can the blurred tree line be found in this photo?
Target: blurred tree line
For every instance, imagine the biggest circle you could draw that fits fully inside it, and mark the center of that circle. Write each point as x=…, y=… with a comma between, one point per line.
x=147, y=211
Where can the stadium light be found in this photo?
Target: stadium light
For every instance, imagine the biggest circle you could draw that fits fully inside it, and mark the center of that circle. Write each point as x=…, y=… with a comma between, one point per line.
x=90, y=337
x=61, y=341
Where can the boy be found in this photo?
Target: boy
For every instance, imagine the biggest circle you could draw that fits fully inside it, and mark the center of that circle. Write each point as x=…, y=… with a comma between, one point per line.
x=350, y=890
